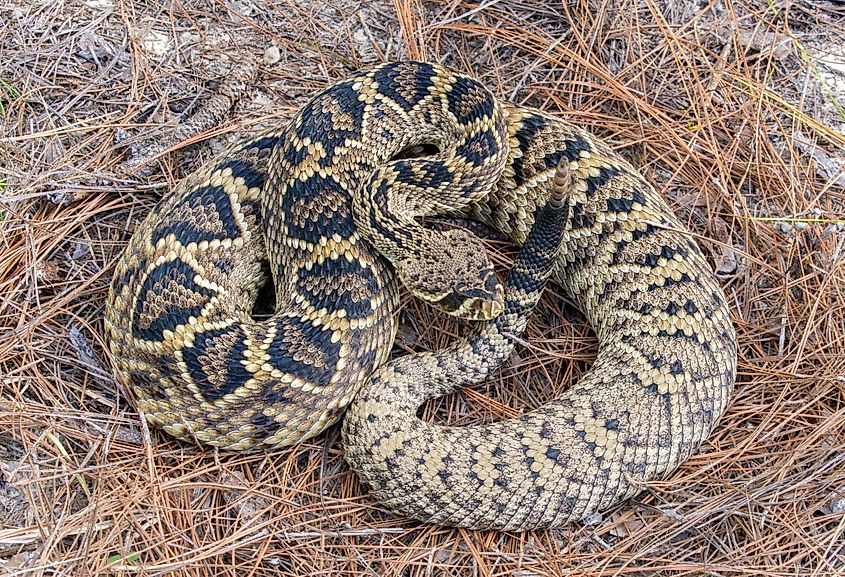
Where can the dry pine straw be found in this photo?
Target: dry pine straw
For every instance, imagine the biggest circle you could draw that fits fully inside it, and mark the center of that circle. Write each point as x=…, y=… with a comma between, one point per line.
x=706, y=98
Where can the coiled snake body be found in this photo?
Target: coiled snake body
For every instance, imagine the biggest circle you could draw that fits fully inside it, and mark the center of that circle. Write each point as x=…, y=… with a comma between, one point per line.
x=325, y=200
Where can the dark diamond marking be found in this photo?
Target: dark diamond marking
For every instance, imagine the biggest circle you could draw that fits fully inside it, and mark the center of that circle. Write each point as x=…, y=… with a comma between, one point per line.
x=262, y=421
x=391, y=84
x=678, y=334
x=312, y=209
x=466, y=91
x=638, y=234
x=531, y=126
x=240, y=169
x=317, y=122
x=620, y=204
x=265, y=143
x=669, y=281
x=198, y=202
x=581, y=219
x=162, y=280
x=650, y=260
x=264, y=426
x=215, y=386
x=339, y=284
x=567, y=504
x=478, y=148
x=638, y=197
x=606, y=173
x=294, y=155
x=422, y=173
x=291, y=345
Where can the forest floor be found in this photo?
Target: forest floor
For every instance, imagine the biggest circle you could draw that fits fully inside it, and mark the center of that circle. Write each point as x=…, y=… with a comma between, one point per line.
x=734, y=109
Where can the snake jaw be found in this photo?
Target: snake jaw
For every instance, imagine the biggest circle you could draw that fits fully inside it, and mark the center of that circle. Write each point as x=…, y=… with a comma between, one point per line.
x=481, y=302
x=452, y=272
x=471, y=309
x=490, y=305
x=490, y=309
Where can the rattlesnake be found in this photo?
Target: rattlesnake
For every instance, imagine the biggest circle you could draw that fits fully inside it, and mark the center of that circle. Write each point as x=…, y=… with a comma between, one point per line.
x=333, y=183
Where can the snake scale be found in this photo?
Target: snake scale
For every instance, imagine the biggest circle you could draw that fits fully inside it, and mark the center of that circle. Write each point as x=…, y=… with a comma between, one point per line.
x=331, y=204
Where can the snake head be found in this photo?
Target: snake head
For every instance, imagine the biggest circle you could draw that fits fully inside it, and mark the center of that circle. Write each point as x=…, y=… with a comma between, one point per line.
x=451, y=271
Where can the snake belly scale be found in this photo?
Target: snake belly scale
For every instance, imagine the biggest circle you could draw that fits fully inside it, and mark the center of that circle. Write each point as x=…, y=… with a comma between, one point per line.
x=179, y=326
